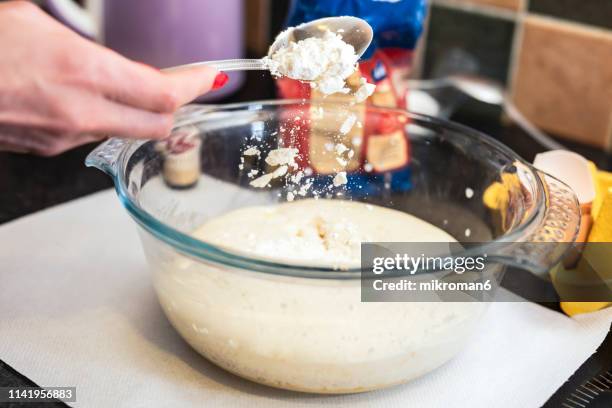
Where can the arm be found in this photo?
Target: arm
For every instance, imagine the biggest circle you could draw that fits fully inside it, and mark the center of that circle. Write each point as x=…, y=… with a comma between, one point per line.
x=59, y=90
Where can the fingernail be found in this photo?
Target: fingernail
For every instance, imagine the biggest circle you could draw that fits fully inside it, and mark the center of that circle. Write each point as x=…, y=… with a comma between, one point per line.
x=220, y=80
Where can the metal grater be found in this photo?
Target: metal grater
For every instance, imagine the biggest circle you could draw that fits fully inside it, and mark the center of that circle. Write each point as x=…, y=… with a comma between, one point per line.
x=596, y=392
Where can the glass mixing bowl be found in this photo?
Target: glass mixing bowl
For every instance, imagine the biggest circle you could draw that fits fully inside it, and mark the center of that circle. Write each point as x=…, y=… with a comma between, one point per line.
x=304, y=327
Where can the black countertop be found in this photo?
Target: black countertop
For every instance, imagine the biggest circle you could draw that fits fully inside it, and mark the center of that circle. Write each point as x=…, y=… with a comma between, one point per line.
x=30, y=184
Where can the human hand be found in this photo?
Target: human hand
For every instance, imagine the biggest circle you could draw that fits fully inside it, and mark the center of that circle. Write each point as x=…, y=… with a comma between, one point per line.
x=59, y=90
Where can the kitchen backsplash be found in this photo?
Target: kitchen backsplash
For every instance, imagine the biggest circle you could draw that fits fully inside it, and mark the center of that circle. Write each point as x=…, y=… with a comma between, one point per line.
x=555, y=57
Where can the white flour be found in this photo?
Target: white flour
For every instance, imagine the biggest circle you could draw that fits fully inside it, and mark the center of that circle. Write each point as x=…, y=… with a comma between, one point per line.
x=263, y=181
x=340, y=179
x=326, y=62
x=285, y=158
x=340, y=148
x=282, y=155
x=251, y=151
x=348, y=123
x=365, y=90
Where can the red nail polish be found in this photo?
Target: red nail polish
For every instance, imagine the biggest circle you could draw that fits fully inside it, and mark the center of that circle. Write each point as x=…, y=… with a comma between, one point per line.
x=220, y=80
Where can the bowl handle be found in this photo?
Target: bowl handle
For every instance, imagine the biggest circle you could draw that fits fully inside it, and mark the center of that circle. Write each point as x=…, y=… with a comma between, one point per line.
x=561, y=220
x=105, y=156
x=554, y=233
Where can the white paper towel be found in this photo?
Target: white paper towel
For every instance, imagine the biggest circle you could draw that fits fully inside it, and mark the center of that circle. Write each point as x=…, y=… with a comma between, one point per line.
x=77, y=308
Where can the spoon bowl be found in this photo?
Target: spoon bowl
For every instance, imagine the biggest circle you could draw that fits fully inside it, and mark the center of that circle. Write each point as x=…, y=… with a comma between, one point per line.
x=354, y=31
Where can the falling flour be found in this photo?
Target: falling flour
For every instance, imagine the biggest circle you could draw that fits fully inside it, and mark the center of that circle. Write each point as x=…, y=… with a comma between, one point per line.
x=340, y=179
x=326, y=62
x=251, y=151
x=282, y=155
x=364, y=91
x=348, y=124
x=263, y=181
x=341, y=148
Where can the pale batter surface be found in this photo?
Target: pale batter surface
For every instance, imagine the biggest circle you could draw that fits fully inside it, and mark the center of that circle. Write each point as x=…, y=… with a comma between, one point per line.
x=315, y=232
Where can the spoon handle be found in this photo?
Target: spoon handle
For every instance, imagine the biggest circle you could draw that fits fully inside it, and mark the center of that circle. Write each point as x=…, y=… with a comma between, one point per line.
x=227, y=65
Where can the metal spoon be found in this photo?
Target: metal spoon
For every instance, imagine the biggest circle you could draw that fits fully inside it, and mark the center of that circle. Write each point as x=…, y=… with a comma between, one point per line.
x=354, y=31
x=490, y=92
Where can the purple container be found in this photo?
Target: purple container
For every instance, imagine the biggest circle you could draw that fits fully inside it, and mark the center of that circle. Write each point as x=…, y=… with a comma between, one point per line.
x=162, y=33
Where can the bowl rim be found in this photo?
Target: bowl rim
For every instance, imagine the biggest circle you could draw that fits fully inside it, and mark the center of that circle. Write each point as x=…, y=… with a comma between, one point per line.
x=203, y=251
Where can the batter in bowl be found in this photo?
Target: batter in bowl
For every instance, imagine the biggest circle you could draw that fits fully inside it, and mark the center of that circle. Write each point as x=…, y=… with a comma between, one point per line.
x=323, y=233
x=308, y=334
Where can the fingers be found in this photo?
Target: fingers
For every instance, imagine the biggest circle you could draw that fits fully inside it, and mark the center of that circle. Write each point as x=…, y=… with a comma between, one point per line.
x=134, y=84
x=119, y=120
x=189, y=83
x=27, y=139
x=144, y=87
x=20, y=139
x=103, y=117
x=53, y=145
x=71, y=112
x=9, y=147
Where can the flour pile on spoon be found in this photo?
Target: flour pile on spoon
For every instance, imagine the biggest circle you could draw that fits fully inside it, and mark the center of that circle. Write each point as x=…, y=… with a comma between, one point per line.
x=325, y=62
